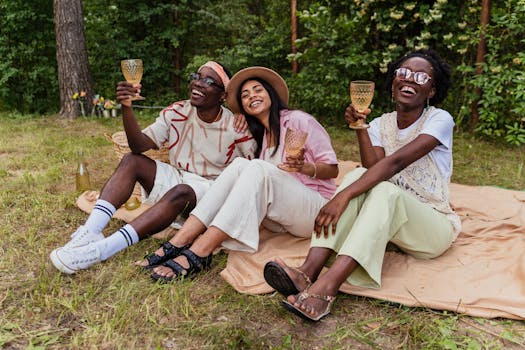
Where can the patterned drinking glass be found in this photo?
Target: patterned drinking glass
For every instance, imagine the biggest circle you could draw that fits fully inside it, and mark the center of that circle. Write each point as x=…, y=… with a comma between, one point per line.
x=294, y=141
x=361, y=95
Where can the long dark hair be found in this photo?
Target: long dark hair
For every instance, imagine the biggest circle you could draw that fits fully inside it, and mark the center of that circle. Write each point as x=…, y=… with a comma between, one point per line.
x=440, y=68
x=256, y=127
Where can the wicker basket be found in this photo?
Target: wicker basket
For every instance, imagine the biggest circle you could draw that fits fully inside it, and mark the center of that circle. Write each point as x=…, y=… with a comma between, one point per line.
x=120, y=145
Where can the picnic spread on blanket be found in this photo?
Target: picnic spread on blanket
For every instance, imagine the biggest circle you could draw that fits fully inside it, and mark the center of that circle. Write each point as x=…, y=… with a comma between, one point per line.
x=481, y=274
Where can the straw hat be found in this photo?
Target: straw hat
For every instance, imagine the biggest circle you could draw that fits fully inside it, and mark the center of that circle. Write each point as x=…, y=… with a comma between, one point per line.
x=266, y=74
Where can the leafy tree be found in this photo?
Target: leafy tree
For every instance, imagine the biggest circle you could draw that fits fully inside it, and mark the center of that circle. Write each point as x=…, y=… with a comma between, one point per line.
x=28, y=70
x=338, y=41
x=345, y=40
x=502, y=106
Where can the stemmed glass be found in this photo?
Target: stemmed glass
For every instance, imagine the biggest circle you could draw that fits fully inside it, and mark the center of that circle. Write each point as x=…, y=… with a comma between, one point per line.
x=294, y=140
x=132, y=70
x=361, y=95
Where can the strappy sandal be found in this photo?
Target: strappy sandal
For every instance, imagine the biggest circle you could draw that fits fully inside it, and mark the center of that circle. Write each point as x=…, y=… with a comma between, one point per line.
x=276, y=276
x=302, y=297
x=197, y=264
x=170, y=252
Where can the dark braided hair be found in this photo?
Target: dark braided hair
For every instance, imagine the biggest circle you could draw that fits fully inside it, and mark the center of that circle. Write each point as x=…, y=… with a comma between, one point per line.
x=440, y=77
x=255, y=126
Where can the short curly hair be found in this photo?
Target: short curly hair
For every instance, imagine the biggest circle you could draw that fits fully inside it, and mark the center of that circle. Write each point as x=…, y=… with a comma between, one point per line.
x=441, y=70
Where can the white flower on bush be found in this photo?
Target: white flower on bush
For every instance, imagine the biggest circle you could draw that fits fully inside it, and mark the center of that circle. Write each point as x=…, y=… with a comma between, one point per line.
x=435, y=14
x=425, y=35
x=448, y=36
x=410, y=6
x=397, y=15
x=462, y=25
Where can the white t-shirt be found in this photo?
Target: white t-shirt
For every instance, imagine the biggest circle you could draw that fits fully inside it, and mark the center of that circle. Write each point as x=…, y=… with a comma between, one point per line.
x=440, y=125
x=198, y=147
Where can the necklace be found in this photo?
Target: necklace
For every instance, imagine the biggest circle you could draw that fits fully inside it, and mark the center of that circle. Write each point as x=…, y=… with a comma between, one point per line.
x=218, y=115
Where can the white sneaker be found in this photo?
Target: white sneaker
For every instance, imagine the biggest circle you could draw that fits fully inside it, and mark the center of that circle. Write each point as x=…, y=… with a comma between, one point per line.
x=71, y=260
x=83, y=236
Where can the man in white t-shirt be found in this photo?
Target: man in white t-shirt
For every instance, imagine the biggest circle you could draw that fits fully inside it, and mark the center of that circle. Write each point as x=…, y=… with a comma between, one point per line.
x=201, y=141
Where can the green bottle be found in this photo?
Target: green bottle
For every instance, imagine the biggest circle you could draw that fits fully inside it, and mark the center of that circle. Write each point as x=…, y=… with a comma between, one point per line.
x=82, y=176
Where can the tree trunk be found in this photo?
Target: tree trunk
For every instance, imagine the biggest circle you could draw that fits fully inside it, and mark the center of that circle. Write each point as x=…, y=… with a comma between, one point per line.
x=480, y=59
x=72, y=58
x=293, y=10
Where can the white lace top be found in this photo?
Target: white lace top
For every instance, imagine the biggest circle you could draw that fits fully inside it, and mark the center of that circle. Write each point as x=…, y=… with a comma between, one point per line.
x=422, y=178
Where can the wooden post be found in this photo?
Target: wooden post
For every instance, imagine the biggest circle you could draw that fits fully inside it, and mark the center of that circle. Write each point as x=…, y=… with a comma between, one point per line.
x=480, y=59
x=293, y=10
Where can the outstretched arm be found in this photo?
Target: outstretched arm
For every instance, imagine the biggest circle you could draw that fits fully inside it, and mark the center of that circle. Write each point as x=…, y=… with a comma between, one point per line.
x=137, y=141
x=383, y=170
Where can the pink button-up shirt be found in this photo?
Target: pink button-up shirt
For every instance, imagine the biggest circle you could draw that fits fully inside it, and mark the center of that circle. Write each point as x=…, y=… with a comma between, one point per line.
x=318, y=148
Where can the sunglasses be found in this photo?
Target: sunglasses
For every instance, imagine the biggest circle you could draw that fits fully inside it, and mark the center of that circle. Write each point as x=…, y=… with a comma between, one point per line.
x=208, y=81
x=420, y=78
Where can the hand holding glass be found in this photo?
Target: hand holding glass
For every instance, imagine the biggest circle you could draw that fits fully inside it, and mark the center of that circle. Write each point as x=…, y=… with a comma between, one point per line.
x=361, y=95
x=132, y=70
x=294, y=141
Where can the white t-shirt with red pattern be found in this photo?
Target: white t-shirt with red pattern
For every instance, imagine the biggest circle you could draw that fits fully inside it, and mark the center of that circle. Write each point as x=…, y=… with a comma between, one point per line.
x=198, y=147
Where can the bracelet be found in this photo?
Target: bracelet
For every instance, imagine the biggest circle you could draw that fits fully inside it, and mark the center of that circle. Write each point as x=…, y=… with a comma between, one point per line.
x=315, y=171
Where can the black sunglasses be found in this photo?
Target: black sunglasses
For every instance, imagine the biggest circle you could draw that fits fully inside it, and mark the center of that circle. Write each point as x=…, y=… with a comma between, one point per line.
x=208, y=81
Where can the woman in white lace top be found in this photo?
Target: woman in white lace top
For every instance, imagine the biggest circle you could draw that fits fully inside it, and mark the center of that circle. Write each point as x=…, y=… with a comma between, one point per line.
x=400, y=195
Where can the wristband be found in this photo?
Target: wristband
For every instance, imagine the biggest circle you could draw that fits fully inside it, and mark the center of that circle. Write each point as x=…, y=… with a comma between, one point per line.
x=315, y=171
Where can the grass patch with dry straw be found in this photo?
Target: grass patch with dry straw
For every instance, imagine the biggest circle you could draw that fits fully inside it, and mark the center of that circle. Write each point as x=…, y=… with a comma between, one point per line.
x=116, y=306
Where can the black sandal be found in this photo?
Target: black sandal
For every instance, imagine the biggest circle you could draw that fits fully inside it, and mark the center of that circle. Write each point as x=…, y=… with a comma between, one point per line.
x=170, y=252
x=197, y=264
x=275, y=275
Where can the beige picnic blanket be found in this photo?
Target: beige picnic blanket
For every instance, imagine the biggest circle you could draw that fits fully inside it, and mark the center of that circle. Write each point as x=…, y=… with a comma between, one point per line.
x=482, y=274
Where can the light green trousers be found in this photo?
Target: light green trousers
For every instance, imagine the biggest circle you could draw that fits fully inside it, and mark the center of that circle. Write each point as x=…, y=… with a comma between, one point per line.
x=385, y=213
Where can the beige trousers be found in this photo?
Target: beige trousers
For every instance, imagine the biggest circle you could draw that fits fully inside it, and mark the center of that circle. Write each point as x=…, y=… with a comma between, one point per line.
x=250, y=191
x=385, y=213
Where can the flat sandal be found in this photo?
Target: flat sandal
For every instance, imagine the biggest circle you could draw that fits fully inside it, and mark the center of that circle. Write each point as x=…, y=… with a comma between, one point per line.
x=302, y=297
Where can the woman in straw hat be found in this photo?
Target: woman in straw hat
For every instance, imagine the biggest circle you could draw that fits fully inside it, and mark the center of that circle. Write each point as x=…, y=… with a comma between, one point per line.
x=251, y=192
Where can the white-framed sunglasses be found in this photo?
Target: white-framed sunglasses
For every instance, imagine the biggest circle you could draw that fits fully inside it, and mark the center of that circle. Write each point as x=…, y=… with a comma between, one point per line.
x=420, y=78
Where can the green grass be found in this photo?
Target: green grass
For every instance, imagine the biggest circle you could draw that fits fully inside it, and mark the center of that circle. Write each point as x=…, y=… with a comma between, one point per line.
x=115, y=306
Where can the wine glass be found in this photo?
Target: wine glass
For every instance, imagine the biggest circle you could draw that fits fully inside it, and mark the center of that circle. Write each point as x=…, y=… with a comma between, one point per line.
x=132, y=70
x=361, y=95
x=294, y=140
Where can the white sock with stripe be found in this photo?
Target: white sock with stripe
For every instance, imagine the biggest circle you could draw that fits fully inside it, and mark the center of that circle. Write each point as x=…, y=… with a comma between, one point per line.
x=98, y=219
x=118, y=241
